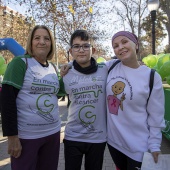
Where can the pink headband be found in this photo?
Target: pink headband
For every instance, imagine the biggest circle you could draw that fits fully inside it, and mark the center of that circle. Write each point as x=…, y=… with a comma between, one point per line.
x=127, y=34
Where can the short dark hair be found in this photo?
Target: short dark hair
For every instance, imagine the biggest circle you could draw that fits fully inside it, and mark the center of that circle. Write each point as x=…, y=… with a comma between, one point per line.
x=83, y=34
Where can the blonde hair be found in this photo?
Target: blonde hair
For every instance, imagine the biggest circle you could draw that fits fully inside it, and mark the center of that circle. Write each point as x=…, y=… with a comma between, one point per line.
x=30, y=37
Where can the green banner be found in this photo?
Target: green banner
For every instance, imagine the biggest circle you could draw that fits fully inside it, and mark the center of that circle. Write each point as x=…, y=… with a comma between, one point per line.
x=166, y=131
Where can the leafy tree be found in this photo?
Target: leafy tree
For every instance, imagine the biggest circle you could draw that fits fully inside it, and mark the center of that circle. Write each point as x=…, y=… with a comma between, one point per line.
x=146, y=39
x=65, y=16
x=165, y=6
x=130, y=14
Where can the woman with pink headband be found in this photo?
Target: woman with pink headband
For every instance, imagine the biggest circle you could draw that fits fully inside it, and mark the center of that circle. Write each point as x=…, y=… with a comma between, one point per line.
x=134, y=120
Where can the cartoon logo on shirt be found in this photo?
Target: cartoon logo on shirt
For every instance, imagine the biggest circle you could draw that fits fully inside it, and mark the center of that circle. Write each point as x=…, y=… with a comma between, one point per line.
x=113, y=102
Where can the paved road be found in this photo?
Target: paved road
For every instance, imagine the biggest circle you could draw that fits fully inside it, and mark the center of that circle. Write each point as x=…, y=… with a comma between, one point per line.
x=107, y=164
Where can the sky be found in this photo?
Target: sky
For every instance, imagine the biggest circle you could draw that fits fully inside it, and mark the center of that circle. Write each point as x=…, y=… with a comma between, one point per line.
x=15, y=7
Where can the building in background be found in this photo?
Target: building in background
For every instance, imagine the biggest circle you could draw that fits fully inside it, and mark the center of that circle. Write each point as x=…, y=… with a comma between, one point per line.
x=14, y=25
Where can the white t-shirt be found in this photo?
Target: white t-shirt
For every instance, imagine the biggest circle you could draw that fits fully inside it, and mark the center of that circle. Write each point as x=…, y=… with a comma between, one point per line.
x=37, y=103
x=87, y=111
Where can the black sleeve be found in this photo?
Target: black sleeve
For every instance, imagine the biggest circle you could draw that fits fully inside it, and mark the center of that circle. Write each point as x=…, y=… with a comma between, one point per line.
x=9, y=110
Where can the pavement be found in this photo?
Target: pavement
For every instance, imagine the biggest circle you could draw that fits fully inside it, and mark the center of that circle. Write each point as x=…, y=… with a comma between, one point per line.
x=107, y=163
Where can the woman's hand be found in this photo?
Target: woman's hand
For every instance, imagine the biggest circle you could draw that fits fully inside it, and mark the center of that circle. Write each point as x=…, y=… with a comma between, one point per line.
x=14, y=146
x=155, y=156
x=64, y=69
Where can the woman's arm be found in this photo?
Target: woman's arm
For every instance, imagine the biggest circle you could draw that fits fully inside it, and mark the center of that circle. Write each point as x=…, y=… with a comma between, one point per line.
x=9, y=110
x=156, y=122
x=9, y=119
x=10, y=88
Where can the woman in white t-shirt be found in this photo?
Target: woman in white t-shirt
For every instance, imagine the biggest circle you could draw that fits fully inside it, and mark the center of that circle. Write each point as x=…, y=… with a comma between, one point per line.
x=30, y=112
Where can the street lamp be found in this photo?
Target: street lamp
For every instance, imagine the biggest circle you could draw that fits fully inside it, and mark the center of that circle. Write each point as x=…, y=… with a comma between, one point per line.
x=153, y=6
